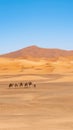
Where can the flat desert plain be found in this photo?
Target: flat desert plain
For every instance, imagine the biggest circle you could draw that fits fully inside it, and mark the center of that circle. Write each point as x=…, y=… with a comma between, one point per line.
x=49, y=106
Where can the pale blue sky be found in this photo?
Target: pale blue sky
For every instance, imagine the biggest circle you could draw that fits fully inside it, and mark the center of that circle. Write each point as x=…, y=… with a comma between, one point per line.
x=45, y=23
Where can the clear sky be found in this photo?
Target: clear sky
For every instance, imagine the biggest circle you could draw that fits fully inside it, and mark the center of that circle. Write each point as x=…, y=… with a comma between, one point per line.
x=45, y=23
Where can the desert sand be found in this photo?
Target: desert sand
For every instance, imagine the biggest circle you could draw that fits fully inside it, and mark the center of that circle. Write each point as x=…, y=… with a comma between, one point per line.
x=49, y=106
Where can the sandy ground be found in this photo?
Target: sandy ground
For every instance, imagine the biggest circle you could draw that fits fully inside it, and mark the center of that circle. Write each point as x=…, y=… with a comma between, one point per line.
x=49, y=106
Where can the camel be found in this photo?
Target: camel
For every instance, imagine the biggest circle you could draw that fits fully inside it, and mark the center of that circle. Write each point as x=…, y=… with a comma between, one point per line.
x=10, y=85
x=16, y=85
x=26, y=84
x=21, y=84
x=29, y=83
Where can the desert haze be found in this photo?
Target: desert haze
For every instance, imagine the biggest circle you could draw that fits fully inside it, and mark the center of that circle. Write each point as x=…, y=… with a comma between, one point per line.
x=49, y=105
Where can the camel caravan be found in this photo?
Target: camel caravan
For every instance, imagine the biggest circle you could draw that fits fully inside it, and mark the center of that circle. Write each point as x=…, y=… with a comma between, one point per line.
x=22, y=85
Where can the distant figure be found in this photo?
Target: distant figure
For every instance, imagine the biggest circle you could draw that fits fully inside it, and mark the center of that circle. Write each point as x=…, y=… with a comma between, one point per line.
x=34, y=85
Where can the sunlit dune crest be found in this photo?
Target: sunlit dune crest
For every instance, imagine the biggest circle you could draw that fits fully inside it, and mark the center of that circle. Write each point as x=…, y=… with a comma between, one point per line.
x=33, y=52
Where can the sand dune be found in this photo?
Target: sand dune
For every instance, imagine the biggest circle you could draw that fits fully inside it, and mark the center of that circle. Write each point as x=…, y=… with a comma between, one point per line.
x=7, y=65
x=35, y=52
x=49, y=106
